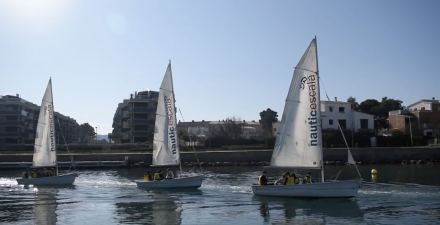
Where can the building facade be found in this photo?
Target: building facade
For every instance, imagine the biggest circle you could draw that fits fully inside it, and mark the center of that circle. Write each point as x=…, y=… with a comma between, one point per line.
x=333, y=112
x=422, y=117
x=249, y=129
x=134, y=118
x=19, y=119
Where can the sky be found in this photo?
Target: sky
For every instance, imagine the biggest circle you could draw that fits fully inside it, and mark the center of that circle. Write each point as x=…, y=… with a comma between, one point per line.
x=229, y=58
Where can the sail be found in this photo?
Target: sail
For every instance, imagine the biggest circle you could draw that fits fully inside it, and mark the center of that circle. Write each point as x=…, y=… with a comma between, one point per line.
x=45, y=145
x=350, y=158
x=299, y=143
x=166, y=143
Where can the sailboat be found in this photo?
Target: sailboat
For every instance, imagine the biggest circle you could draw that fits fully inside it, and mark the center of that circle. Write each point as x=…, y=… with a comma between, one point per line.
x=45, y=148
x=166, y=152
x=299, y=143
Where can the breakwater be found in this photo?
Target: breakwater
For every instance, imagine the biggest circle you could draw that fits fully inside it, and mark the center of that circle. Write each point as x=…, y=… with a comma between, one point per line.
x=255, y=157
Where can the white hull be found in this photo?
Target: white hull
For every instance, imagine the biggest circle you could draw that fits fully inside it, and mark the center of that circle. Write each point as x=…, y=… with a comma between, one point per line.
x=181, y=182
x=336, y=189
x=66, y=179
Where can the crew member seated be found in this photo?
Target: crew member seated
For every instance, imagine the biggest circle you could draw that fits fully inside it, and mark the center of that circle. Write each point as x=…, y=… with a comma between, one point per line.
x=158, y=175
x=25, y=174
x=147, y=176
x=290, y=179
x=308, y=178
x=170, y=174
x=262, y=180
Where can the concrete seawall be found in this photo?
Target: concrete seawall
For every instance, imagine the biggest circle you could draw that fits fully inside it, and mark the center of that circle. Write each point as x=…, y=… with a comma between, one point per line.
x=364, y=155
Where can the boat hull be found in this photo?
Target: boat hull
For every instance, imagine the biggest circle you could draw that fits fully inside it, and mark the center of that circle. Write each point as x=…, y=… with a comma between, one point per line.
x=66, y=179
x=181, y=182
x=336, y=189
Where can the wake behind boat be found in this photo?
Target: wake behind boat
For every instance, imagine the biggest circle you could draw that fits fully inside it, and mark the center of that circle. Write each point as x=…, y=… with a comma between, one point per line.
x=299, y=143
x=166, y=150
x=45, y=153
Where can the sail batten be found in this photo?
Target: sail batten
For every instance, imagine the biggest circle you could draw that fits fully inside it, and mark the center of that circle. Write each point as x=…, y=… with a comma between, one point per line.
x=298, y=144
x=45, y=145
x=166, y=150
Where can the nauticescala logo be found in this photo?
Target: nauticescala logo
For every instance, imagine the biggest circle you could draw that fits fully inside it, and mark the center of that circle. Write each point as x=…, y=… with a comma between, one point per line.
x=171, y=128
x=51, y=128
x=313, y=117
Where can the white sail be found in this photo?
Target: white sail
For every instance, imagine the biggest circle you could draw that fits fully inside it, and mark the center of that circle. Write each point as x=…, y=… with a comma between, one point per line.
x=45, y=145
x=350, y=158
x=166, y=142
x=299, y=143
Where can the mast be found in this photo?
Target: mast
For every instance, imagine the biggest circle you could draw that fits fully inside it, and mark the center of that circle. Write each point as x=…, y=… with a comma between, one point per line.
x=53, y=117
x=319, y=110
x=175, y=114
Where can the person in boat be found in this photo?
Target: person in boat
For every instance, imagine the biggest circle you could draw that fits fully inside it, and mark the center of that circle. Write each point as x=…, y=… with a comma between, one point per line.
x=290, y=179
x=170, y=174
x=25, y=174
x=262, y=179
x=308, y=178
x=45, y=173
x=158, y=175
x=286, y=175
x=147, y=176
x=52, y=172
x=36, y=173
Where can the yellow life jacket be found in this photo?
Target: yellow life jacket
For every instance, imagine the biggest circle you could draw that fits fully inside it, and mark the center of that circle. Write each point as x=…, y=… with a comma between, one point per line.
x=157, y=176
x=259, y=180
x=23, y=175
x=34, y=174
x=146, y=177
x=290, y=180
x=309, y=180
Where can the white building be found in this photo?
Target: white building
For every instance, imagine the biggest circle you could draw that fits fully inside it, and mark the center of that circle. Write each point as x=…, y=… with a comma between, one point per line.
x=334, y=111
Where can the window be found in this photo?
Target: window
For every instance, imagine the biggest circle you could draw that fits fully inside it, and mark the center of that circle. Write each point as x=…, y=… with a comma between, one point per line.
x=342, y=109
x=364, y=123
x=343, y=124
x=330, y=122
x=330, y=109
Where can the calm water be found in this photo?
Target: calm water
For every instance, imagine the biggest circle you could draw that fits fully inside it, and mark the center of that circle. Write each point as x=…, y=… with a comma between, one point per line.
x=109, y=197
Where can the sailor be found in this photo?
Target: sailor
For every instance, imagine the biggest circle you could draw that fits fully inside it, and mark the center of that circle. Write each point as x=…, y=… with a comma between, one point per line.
x=25, y=174
x=52, y=172
x=45, y=173
x=147, y=176
x=157, y=175
x=308, y=178
x=286, y=175
x=170, y=174
x=262, y=180
x=290, y=180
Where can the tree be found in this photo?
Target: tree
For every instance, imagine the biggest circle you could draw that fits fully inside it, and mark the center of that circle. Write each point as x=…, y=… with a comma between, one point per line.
x=268, y=117
x=86, y=133
x=380, y=110
x=354, y=104
x=232, y=127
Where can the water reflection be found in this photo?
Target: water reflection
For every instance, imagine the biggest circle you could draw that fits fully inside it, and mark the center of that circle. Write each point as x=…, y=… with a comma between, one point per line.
x=157, y=207
x=16, y=205
x=45, y=207
x=291, y=207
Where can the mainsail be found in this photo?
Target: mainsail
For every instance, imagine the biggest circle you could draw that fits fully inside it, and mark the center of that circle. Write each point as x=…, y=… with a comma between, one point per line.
x=299, y=143
x=45, y=146
x=166, y=143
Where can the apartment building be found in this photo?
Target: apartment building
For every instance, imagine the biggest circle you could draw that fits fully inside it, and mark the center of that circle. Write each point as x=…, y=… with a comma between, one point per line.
x=249, y=129
x=420, y=117
x=19, y=119
x=134, y=118
x=336, y=111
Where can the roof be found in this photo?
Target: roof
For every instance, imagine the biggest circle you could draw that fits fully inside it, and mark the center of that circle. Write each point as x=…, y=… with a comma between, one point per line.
x=424, y=100
x=339, y=102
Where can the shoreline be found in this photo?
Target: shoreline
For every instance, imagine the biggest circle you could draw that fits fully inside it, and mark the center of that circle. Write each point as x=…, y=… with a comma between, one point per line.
x=260, y=157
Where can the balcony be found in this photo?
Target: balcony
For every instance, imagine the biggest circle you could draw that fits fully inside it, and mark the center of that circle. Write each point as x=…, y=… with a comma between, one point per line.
x=14, y=134
x=140, y=121
x=142, y=110
x=12, y=123
x=145, y=133
x=13, y=112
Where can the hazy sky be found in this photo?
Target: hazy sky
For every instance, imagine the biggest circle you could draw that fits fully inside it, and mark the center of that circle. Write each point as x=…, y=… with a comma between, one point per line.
x=229, y=58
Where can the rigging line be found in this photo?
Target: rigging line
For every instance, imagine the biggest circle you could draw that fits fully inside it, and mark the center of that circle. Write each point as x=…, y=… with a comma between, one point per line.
x=192, y=145
x=67, y=147
x=339, y=126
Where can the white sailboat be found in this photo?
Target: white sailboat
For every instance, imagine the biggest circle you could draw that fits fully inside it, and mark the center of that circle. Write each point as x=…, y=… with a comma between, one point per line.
x=166, y=150
x=45, y=148
x=299, y=143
